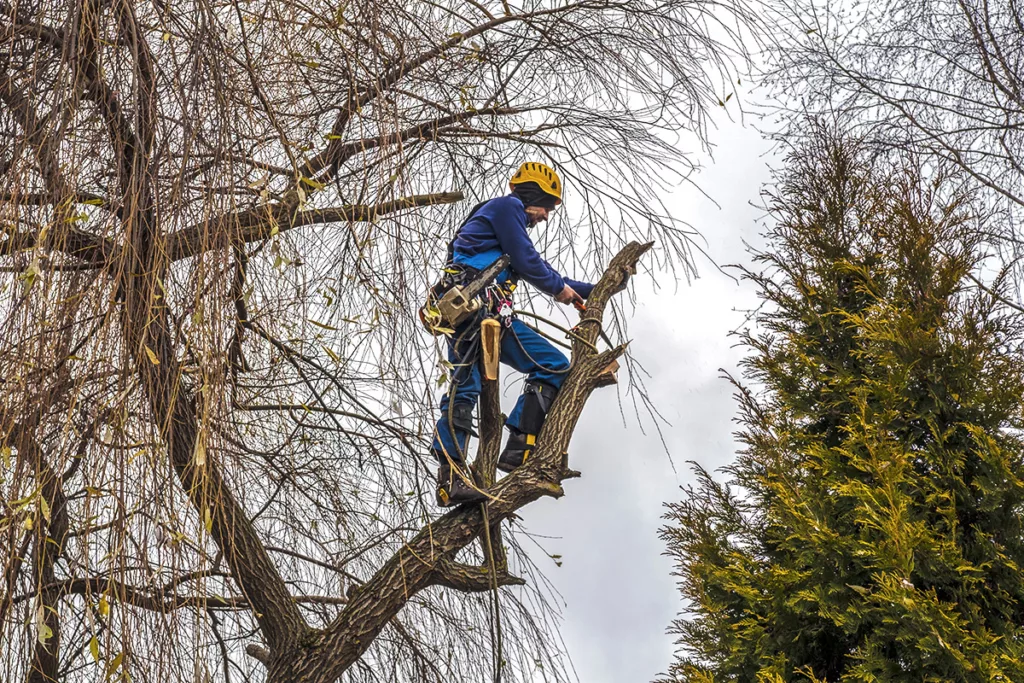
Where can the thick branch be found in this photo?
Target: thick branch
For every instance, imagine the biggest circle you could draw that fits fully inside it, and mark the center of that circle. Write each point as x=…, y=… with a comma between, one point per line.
x=339, y=152
x=143, y=598
x=257, y=224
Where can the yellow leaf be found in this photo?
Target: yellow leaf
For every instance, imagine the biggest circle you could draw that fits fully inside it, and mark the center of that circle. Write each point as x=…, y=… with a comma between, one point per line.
x=316, y=185
x=152, y=356
x=104, y=606
x=335, y=357
x=94, y=202
x=5, y=453
x=44, y=508
x=94, y=649
x=114, y=664
x=166, y=36
x=28, y=524
x=44, y=632
x=199, y=453
x=208, y=520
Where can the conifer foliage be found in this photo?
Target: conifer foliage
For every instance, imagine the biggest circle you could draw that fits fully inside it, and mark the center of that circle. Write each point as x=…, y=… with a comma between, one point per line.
x=870, y=529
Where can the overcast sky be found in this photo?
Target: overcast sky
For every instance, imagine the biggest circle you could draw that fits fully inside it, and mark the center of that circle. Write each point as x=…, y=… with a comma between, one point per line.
x=618, y=591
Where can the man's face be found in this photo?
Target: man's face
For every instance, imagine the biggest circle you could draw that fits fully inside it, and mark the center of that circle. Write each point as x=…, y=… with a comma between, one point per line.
x=537, y=214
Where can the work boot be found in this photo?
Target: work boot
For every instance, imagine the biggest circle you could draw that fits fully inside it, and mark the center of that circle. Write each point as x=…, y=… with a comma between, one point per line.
x=456, y=486
x=517, y=449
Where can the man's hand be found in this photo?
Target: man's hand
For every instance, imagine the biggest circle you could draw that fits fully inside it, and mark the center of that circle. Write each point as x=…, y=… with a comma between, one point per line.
x=568, y=295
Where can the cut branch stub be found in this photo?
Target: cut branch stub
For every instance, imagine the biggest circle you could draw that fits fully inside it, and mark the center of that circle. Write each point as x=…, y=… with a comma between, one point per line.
x=615, y=278
x=471, y=579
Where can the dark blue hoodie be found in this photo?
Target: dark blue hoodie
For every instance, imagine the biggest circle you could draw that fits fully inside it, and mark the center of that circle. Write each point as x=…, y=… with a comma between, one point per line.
x=499, y=227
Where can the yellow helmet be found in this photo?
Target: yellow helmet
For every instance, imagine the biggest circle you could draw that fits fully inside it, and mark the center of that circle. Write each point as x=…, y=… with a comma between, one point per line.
x=543, y=175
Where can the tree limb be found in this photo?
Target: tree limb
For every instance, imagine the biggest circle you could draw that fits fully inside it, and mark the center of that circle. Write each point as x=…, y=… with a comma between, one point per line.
x=146, y=326
x=253, y=225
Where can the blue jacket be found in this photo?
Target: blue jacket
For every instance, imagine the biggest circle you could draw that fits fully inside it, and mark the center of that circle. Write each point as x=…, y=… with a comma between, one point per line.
x=499, y=227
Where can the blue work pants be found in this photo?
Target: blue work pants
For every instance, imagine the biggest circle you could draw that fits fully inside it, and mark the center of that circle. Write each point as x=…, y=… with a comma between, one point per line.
x=521, y=348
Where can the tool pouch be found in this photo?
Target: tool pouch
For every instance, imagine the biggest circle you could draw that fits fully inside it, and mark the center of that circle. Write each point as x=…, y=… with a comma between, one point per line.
x=444, y=310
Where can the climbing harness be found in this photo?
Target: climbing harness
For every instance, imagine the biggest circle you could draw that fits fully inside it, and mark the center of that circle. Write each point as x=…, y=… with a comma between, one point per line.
x=463, y=291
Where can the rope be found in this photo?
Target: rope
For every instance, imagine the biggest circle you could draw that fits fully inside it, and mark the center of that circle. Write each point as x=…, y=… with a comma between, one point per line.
x=496, y=644
x=568, y=333
x=533, y=360
x=556, y=342
x=467, y=361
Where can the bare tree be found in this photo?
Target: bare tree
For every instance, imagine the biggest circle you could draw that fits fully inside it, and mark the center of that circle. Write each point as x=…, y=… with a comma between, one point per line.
x=218, y=218
x=939, y=78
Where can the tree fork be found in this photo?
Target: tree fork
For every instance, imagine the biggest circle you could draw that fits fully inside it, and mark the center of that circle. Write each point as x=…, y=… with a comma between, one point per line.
x=325, y=655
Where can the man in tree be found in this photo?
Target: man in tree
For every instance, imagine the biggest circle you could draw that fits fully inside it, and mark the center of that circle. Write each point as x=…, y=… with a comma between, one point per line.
x=496, y=227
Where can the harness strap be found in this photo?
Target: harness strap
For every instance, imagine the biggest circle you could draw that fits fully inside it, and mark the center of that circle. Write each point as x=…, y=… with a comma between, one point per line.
x=451, y=244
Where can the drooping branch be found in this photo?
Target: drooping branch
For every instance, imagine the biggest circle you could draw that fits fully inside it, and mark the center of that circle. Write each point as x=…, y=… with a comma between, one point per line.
x=147, y=332
x=334, y=152
x=50, y=536
x=66, y=236
x=49, y=199
x=42, y=146
x=421, y=561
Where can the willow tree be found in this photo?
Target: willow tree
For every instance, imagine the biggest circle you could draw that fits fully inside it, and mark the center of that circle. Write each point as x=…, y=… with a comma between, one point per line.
x=871, y=528
x=217, y=220
x=937, y=78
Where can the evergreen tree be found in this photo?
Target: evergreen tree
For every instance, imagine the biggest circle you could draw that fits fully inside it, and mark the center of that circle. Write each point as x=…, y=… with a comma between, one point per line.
x=871, y=526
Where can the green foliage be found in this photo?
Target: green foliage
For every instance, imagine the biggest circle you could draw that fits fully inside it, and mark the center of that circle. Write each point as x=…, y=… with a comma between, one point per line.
x=871, y=527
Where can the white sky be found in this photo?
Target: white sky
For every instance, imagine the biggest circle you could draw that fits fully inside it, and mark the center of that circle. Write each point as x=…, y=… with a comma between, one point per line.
x=618, y=591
